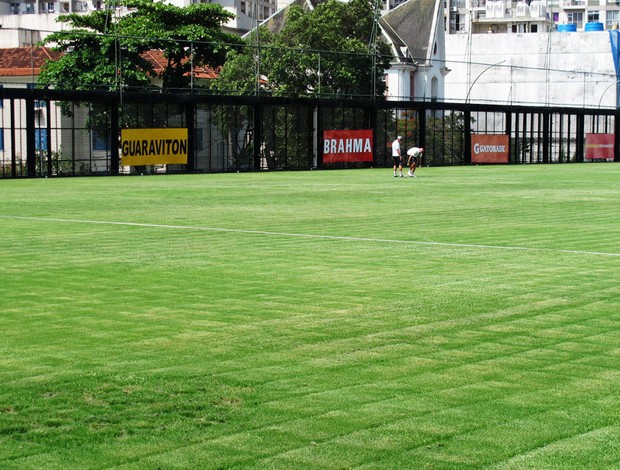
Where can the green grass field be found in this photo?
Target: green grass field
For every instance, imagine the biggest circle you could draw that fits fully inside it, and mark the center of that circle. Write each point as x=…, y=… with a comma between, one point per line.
x=469, y=318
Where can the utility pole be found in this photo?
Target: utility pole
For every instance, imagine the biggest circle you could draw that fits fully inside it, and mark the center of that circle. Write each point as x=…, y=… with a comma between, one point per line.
x=373, y=46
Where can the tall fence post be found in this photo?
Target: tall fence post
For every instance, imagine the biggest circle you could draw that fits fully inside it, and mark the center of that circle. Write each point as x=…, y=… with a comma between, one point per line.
x=617, y=136
x=545, y=136
x=372, y=122
x=580, y=144
x=422, y=128
x=190, y=122
x=48, y=138
x=258, y=133
x=13, y=145
x=508, y=132
x=31, y=154
x=319, y=136
x=467, y=138
x=115, y=135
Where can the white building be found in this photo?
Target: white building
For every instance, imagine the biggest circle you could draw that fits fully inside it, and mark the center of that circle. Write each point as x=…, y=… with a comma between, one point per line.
x=26, y=22
x=545, y=69
x=528, y=16
x=248, y=13
x=414, y=30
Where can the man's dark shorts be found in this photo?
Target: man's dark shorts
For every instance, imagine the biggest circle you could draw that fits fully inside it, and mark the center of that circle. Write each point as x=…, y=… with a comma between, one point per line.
x=397, y=161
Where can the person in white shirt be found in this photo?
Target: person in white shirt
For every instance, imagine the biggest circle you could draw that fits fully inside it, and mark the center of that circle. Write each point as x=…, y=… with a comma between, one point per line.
x=397, y=156
x=413, y=161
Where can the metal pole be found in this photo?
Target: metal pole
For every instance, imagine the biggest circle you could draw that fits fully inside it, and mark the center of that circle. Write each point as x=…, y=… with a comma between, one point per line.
x=479, y=75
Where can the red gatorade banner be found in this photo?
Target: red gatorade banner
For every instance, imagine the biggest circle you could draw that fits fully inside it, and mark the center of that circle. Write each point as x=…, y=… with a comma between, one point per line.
x=347, y=146
x=489, y=148
x=599, y=146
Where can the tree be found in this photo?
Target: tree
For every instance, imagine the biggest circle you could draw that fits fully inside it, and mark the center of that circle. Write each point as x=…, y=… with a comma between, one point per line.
x=105, y=50
x=336, y=38
x=329, y=51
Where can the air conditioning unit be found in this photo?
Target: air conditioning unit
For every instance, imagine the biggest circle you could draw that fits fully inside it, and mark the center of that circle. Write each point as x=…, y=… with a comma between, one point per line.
x=80, y=6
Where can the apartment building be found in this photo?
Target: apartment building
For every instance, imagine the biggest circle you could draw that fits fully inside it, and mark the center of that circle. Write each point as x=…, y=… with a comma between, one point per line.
x=529, y=16
x=24, y=23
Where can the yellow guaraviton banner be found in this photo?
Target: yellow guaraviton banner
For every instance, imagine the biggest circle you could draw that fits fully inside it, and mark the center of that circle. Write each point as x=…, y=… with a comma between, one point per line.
x=153, y=146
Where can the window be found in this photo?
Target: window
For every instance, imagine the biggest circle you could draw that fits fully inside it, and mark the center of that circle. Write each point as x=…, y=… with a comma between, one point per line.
x=1, y=140
x=40, y=139
x=576, y=18
x=612, y=19
x=593, y=16
x=100, y=139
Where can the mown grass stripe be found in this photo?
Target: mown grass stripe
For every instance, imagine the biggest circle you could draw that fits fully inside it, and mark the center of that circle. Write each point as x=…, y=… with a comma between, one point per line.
x=315, y=236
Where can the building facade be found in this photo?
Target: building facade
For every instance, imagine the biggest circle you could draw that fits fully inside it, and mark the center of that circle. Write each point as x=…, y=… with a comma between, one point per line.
x=529, y=16
x=24, y=23
x=548, y=69
x=415, y=33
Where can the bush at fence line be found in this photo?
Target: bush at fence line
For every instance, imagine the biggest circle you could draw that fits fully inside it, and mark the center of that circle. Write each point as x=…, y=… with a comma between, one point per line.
x=6, y=169
x=448, y=149
x=60, y=166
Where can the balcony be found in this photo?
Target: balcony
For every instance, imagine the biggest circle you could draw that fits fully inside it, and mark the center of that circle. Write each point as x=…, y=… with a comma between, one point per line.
x=22, y=8
x=573, y=3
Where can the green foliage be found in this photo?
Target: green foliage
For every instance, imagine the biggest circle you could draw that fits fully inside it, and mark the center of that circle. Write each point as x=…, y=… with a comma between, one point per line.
x=324, y=52
x=519, y=148
x=105, y=51
x=238, y=75
x=444, y=139
x=407, y=126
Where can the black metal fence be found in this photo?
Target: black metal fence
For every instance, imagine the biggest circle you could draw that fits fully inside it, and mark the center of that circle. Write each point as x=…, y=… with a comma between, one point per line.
x=47, y=133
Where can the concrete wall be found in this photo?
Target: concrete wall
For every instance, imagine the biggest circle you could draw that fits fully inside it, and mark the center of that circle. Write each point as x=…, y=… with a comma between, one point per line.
x=555, y=69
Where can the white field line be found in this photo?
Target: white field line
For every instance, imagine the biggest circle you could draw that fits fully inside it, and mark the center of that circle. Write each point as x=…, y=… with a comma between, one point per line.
x=315, y=236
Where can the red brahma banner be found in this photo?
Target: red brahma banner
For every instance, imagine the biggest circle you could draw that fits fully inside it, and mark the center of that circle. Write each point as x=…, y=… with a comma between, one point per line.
x=347, y=146
x=599, y=146
x=489, y=148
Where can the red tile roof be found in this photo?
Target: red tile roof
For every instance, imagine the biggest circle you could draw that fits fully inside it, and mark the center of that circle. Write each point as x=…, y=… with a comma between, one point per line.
x=27, y=61
x=24, y=61
x=160, y=62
